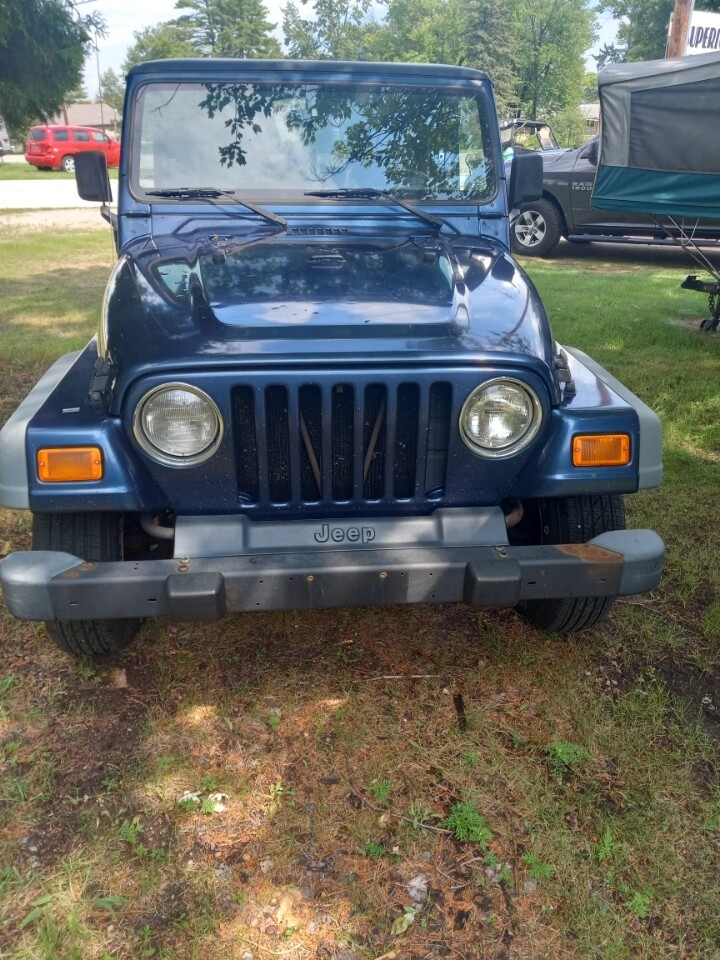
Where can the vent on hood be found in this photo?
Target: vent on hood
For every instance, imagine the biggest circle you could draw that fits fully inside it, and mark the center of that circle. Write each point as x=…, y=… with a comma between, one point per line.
x=318, y=231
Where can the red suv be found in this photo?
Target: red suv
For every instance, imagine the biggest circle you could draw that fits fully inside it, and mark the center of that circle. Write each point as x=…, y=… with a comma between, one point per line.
x=54, y=147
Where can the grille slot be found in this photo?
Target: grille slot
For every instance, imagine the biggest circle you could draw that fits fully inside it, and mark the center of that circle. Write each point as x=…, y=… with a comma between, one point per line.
x=438, y=438
x=346, y=443
x=311, y=443
x=406, y=437
x=278, y=443
x=247, y=452
x=341, y=441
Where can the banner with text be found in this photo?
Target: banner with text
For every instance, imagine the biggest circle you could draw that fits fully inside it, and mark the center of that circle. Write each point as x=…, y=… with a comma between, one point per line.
x=703, y=33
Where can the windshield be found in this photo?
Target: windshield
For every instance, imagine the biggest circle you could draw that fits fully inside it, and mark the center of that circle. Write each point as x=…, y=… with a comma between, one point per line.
x=277, y=141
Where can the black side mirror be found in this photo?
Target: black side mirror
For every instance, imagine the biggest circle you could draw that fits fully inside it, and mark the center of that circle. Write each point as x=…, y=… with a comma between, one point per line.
x=590, y=152
x=526, y=179
x=91, y=176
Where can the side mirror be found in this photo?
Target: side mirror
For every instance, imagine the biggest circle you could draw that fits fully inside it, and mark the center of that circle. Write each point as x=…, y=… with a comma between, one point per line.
x=526, y=179
x=91, y=176
x=590, y=152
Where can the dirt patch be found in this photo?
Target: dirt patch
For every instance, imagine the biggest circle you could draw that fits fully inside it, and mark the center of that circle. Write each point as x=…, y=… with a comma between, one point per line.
x=698, y=689
x=74, y=219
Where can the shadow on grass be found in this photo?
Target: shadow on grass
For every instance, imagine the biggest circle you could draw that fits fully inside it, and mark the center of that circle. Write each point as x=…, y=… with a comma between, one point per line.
x=331, y=740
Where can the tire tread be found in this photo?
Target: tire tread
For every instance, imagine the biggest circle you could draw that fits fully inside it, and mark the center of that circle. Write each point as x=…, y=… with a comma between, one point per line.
x=94, y=537
x=574, y=520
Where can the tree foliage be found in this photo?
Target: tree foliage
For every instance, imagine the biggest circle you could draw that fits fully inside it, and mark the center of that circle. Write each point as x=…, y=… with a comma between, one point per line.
x=160, y=43
x=207, y=28
x=338, y=30
x=228, y=28
x=43, y=44
x=112, y=90
x=423, y=31
x=642, y=29
x=490, y=46
x=551, y=37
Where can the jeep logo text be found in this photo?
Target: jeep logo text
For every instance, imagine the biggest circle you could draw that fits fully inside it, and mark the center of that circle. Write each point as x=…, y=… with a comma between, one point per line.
x=326, y=533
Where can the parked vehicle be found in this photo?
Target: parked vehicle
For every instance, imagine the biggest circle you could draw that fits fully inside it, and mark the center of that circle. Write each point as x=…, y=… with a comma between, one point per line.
x=319, y=377
x=55, y=147
x=564, y=211
x=519, y=135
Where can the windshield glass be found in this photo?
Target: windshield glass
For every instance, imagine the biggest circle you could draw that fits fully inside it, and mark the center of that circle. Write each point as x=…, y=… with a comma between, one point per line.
x=277, y=141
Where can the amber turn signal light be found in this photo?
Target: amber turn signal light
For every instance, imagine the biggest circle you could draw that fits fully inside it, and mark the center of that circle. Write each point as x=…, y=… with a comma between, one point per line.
x=68, y=464
x=601, y=450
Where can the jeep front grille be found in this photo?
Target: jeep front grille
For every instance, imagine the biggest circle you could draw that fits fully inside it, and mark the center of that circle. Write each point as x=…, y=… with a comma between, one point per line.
x=341, y=443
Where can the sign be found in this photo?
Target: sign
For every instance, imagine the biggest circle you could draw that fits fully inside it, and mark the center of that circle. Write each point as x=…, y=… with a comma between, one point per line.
x=703, y=33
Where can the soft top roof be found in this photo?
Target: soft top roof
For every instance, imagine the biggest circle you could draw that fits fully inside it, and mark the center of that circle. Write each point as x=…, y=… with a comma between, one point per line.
x=676, y=70
x=660, y=137
x=214, y=66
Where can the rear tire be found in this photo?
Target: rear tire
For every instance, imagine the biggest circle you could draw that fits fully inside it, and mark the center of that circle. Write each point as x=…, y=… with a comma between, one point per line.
x=67, y=164
x=573, y=520
x=91, y=536
x=537, y=229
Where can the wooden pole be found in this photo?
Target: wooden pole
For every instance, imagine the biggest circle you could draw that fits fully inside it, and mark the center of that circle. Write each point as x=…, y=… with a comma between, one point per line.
x=678, y=30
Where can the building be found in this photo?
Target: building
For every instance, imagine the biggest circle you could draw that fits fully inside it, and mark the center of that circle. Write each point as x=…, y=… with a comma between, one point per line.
x=591, y=115
x=90, y=113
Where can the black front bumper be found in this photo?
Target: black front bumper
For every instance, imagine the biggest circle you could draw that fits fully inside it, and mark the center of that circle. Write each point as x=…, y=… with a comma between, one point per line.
x=45, y=585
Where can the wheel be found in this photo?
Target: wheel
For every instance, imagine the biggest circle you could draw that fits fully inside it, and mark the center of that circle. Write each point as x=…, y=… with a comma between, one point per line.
x=571, y=520
x=536, y=229
x=67, y=164
x=92, y=536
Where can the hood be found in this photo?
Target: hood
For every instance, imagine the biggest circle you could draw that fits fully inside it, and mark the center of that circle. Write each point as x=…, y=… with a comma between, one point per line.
x=289, y=297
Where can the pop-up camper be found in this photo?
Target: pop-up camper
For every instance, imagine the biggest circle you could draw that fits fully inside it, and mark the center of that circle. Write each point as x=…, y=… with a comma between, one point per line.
x=660, y=150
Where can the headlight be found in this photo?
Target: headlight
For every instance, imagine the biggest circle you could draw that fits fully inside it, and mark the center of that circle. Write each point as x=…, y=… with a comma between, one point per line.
x=500, y=418
x=178, y=425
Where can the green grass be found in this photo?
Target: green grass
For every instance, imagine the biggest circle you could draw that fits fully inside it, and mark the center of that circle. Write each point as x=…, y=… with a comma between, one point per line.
x=26, y=171
x=579, y=770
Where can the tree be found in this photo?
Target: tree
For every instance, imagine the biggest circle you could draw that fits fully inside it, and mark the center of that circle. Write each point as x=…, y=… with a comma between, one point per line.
x=43, y=44
x=490, y=47
x=77, y=95
x=229, y=28
x=160, y=43
x=569, y=127
x=551, y=37
x=423, y=31
x=339, y=30
x=112, y=90
x=642, y=30
x=589, y=92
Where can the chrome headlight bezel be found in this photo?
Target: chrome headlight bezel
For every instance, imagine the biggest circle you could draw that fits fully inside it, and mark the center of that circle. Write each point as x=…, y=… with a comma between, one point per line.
x=162, y=456
x=515, y=445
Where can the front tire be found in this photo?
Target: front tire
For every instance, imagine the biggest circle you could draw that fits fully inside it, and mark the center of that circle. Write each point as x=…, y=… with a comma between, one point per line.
x=95, y=537
x=536, y=230
x=572, y=520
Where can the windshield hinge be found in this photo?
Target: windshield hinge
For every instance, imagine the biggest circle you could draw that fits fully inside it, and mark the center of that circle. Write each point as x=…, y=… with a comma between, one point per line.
x=100, y=384
x=561, y=369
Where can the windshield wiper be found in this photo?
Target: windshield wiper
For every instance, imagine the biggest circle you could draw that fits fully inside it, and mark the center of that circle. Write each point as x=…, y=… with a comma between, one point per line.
x=212, y=193
x=370, y=193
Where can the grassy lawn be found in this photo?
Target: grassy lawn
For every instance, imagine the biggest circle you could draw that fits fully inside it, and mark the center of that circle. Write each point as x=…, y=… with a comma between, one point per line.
x=26, y=171
x=403, y=783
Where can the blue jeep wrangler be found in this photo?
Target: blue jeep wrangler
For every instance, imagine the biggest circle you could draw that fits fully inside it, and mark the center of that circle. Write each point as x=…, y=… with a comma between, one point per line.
x=319, y=378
